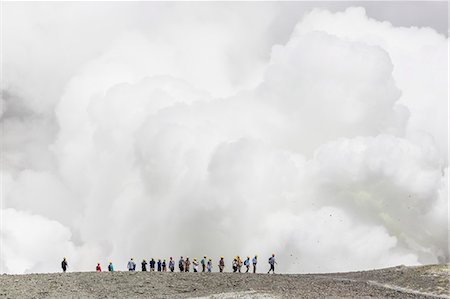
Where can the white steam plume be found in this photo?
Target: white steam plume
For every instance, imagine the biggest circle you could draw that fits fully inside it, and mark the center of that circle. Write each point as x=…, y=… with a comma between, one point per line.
x=328, y=157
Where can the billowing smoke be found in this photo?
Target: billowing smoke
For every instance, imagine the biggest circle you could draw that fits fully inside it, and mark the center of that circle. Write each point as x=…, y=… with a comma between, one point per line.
x=330, y=151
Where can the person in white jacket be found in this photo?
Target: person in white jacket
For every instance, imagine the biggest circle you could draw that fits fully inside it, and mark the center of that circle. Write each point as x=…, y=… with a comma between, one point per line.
x=195, y=265
x=254, y=262
x=131, y=266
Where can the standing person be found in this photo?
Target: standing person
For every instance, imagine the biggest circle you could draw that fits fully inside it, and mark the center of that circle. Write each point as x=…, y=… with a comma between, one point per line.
x=171, y=264
x=221, y=264
x=247, y=264
x=131, y=266
x=159, y=265
x=98, y=268
x=209, y=265
x=187, y=264
x=181, y=264
x=255, y=261
x=144, y=265
x=152, y=265
x=111, y=267
x=195, y=265
x=164, y=266
x=272, y=263
x=64, y=265
x=204, y=261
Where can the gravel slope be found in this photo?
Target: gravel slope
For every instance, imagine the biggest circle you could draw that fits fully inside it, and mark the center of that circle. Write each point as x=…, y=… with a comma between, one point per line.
x=399, y=282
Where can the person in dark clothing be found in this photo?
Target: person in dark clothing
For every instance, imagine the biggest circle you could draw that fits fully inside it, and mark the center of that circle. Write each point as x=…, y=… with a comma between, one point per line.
x=221, y=264
x=152, y=265
x=187, y=264
x=159, y=265
x=144, y=265
x=164, y=266
x=181, y=264
x=64, y=265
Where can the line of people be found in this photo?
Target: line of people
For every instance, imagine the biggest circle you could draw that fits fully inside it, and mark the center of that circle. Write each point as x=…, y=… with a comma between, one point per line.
x=184, y=265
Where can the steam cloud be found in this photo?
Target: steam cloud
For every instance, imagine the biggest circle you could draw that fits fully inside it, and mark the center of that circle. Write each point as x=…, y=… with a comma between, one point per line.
x=332, y=152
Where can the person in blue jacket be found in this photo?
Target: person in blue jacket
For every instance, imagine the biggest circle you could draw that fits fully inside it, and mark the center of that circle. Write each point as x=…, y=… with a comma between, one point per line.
x=272, y=263
x=247, y=264
x=152, y=265
x=254, y=262
x=159, y=265
x=111, y=267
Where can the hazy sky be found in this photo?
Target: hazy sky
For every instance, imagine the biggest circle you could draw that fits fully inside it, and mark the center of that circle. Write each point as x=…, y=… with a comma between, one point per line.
x=432, y=14
x=316, y=130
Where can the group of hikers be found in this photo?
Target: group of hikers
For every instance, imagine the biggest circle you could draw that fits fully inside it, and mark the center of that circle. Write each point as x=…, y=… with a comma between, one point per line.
x=184, y=265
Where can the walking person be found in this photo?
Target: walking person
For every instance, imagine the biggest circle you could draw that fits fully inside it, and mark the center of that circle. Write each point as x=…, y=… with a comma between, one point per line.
x=111, y=267
x=98, y=268
x=221, y=264
x=209, y=265
x=247, y=264
x=181, y=264
x=234, y=264
x=144, y=265
x=254, y=262
x=195, y=265
x=131, y=266
x=204, y=262
x=164, y=266
x=171, y=264
x=64, y=265
x=272, y=263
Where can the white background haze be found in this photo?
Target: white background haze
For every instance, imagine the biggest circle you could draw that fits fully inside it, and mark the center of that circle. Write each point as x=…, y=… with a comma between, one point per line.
x=152, y=129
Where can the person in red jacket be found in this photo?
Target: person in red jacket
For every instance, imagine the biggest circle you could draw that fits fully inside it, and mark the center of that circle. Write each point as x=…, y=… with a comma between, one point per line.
x=98, y=268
